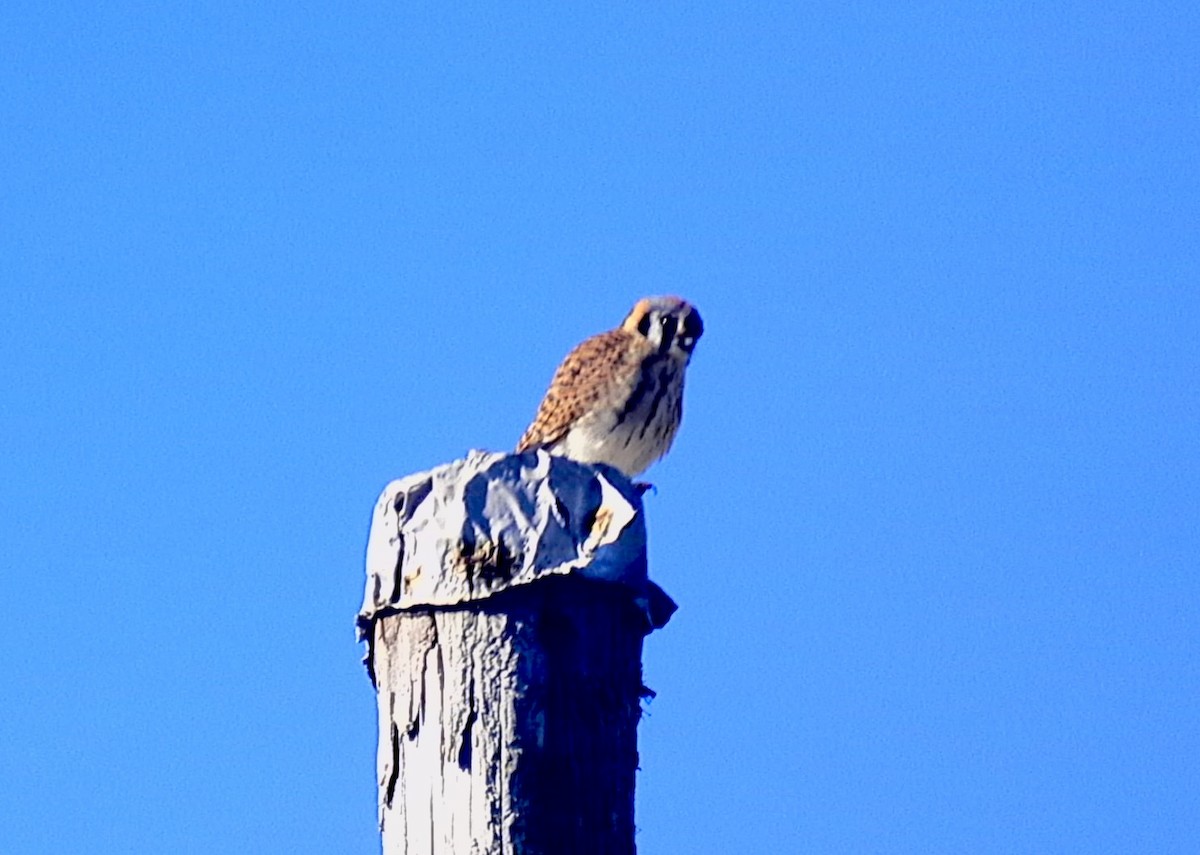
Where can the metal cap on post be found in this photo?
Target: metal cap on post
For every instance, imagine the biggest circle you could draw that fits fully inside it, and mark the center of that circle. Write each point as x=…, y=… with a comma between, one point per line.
x=507, y=598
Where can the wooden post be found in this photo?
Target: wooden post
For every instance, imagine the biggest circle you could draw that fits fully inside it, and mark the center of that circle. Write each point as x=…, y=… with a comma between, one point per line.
x=506, y=603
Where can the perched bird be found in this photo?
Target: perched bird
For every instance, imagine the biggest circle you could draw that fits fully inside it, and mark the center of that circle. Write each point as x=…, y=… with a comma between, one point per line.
x=618, y=397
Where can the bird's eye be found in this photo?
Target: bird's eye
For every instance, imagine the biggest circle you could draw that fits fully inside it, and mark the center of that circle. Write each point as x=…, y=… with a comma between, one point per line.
x=664, y=320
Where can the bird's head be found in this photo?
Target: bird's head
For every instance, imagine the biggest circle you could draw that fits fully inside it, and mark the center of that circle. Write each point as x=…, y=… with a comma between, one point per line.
x=671, y=324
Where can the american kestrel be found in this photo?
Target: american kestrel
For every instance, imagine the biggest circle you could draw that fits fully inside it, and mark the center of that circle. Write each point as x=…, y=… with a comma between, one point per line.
x=618, y=397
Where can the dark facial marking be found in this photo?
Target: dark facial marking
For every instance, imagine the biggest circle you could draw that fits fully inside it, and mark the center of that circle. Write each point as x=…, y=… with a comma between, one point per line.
x=690, y=332
x=669, y=323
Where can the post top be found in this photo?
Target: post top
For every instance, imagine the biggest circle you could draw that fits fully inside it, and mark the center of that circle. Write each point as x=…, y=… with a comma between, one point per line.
x=469, y=529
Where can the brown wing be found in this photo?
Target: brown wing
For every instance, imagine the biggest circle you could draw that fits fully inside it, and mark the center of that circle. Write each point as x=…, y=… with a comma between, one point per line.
x=578, y=385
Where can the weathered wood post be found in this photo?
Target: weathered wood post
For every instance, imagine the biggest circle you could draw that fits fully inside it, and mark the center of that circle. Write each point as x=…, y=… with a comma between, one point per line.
x=506, y=603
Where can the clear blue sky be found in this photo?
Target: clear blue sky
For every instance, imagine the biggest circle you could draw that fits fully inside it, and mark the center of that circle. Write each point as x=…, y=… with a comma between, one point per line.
x=933, y=517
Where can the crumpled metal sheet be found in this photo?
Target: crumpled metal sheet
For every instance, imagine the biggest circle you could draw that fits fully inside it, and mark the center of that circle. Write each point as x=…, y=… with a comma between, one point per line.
x=467, y=530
